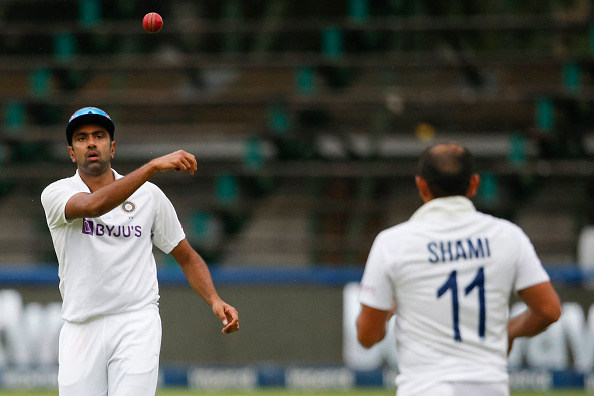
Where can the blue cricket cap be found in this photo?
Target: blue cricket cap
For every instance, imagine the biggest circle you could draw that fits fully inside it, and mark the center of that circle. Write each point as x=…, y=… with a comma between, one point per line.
x=89, y=115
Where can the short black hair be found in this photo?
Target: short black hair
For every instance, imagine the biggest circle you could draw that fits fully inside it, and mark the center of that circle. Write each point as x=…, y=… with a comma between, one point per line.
x=447, y=168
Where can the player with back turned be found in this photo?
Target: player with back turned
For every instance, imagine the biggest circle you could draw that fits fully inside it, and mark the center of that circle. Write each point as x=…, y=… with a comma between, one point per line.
x=103, y=226
x=448, y=274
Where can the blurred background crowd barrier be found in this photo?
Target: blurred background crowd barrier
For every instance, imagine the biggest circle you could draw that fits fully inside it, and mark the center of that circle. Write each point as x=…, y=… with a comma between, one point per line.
x=297, y=331
x=307, y=118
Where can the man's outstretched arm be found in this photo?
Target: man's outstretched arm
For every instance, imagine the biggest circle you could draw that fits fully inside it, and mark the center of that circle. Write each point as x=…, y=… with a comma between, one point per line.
x=108, y=197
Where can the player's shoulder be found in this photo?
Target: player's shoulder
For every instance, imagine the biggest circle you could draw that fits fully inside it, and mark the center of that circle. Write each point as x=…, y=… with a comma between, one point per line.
x=498, y=221
x=397, y=230
x=65, y=183
x=152, y=189
x=503, y=227
x=150, y=186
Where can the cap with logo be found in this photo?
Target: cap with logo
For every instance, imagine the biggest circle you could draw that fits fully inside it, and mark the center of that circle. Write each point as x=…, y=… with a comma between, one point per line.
x=89, y=115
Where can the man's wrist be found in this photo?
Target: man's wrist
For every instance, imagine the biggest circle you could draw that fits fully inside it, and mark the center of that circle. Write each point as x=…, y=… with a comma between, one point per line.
x=152, y=168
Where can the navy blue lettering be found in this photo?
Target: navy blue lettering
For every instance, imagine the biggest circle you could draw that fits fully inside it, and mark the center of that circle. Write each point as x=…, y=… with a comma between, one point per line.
x=478, y=252
x=118, y=233
x=462, y=249
x=447, y=251
x=460, y=253
x=433, y=257
x=124, y=231
x=138, y=231
x=109, y=229
x=100, y=229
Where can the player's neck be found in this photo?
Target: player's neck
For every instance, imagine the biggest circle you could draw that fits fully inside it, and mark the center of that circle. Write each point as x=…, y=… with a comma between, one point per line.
x=95, y=182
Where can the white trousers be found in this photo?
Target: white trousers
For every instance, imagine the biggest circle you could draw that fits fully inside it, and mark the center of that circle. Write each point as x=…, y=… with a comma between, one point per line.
x=454, y=389
x=115, y=355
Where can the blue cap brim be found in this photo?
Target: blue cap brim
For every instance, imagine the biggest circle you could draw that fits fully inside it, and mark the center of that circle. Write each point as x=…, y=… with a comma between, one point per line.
x=89, y=119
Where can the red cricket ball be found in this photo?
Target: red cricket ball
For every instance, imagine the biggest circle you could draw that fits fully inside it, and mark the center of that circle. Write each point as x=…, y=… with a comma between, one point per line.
x=152, y=22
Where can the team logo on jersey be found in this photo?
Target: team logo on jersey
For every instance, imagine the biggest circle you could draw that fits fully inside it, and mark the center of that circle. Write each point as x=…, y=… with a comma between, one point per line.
x=88, y=227
x=129, y=207
x=105, y=230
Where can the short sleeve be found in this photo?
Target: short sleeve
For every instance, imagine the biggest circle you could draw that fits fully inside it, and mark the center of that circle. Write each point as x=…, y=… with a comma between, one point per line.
x=54, y=199
x=376, y=287
x=167, y=231
x=530, y=271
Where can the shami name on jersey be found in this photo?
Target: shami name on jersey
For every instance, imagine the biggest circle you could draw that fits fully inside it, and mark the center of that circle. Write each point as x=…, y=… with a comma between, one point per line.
x=462, y=249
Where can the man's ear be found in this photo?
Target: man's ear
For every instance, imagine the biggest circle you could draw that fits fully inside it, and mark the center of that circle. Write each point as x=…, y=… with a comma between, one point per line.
x=473, y=186
x=423, y=188
x=71, y=152
x=113, y=144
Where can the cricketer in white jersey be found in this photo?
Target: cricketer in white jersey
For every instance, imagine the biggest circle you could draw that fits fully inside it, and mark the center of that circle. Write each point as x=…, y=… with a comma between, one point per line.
x=104, y=226
x=448, y=274
x=106, y=264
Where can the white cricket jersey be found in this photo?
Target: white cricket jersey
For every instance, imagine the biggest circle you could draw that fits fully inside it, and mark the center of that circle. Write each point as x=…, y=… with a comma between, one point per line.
x=106, y=264
x=451, y=271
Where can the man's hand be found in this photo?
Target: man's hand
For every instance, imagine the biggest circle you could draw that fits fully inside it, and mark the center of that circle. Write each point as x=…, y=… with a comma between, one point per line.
x=228, y=316
x=179, y=160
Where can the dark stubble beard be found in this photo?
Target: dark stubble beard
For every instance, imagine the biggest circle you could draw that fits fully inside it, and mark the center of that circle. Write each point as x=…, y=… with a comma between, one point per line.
x=95, y=168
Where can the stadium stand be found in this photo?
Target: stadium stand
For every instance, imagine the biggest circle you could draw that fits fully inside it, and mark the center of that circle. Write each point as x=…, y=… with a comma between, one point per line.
x=306, y=116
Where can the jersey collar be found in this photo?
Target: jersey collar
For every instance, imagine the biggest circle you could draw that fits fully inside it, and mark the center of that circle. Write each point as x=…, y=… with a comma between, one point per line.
x=444, y=208
x=79, y=180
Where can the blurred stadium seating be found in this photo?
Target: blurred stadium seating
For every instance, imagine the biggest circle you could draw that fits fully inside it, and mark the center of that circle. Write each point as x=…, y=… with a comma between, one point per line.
x=306, y=116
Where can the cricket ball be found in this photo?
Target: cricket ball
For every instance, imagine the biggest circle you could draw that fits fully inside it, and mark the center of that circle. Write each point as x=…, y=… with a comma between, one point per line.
x=152, y=22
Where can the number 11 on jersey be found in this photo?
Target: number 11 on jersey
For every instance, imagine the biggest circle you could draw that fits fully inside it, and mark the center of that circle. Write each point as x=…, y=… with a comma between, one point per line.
x=452, y=284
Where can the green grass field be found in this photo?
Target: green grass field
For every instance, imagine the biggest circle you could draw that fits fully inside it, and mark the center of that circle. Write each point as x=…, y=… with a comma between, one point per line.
x=284, y=392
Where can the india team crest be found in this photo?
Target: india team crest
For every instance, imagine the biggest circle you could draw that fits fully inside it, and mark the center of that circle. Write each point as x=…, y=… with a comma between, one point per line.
x=128, y=207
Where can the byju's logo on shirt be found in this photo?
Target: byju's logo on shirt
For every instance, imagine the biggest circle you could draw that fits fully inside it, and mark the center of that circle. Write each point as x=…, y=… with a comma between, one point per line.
x=90, y=228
